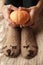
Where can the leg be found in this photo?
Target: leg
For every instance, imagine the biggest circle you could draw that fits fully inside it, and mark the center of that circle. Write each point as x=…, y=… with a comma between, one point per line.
x=12, y=46
x=28, y=43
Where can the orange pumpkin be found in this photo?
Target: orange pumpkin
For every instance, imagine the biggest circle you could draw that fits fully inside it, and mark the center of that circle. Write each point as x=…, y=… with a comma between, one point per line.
x=19, y=17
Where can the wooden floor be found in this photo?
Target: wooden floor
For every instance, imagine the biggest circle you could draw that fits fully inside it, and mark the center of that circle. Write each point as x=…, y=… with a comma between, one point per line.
x=38, y=60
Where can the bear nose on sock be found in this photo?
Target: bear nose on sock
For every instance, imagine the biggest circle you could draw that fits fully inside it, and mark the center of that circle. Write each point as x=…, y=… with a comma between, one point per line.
x=31, y=53
x=9, y=51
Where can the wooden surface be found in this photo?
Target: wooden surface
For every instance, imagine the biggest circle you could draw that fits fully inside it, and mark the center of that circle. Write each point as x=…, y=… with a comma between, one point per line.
x=38, y=60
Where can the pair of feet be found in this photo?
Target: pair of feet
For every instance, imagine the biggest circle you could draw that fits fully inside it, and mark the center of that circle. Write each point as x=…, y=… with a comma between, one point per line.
x=21, y=42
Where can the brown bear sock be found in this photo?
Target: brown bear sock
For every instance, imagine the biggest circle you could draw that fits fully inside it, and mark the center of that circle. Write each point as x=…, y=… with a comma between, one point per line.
x=11, y=47
x=28, y=43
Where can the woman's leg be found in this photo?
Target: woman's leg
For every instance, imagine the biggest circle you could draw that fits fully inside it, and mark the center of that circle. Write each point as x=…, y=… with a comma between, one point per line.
x=28, y=44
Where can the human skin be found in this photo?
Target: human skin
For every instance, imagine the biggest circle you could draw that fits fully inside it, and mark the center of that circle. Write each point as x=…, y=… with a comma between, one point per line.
x=32, y=10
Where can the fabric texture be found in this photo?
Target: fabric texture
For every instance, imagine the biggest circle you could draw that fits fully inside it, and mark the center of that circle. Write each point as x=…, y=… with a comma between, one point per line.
x=23, y=3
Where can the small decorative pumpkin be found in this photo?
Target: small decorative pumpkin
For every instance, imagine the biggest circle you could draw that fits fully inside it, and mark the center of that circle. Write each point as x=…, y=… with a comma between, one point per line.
x=19, y=17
